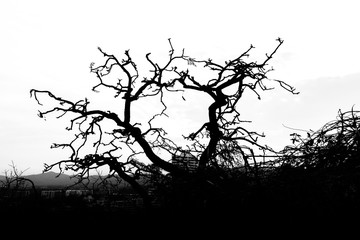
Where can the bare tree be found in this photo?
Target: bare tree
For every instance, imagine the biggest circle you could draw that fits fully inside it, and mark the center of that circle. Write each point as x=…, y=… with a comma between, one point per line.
x=220, y=142
x=15, y=181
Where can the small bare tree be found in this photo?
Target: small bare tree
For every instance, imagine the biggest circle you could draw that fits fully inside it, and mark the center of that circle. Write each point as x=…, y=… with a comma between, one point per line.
x=15, y=181
x=221, y=141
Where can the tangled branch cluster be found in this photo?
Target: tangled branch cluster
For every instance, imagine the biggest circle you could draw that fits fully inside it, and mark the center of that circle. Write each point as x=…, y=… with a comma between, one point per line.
x=336, y=144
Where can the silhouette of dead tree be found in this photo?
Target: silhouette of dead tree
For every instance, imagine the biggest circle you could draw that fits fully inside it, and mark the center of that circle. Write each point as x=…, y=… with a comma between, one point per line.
x=218, y=143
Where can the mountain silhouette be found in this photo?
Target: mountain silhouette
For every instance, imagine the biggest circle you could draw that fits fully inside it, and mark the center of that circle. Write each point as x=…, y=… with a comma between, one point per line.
x=48, y=179
x=55, y=180
x=51, y=179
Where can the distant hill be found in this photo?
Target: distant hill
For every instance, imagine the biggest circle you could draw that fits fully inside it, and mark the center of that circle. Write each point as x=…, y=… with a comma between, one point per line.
x=48, y=179
x=53, y=179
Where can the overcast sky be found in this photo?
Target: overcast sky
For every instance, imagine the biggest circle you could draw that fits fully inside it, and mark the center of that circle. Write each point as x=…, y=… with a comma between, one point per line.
x=50, y=45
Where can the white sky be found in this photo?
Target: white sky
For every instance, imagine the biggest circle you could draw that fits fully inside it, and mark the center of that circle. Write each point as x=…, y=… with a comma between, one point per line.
x=48, y=45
